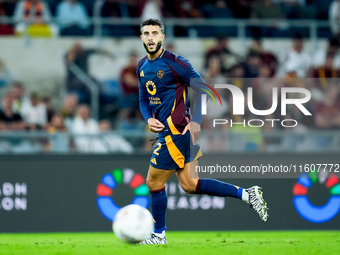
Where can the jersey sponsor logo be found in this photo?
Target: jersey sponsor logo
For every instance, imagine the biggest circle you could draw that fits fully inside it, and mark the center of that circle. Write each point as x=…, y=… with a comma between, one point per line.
x=160, y=74
x=151, y=87
x=141, y=74
x=154, y=161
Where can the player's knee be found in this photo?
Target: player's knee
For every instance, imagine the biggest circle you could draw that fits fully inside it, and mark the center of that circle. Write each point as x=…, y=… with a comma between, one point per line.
x=149, y=183
x=153, y=184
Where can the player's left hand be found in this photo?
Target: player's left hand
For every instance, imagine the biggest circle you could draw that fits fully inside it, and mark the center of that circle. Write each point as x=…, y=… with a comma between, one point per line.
x=194, y=128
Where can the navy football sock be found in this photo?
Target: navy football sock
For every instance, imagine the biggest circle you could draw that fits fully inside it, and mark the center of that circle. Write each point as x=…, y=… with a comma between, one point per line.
x=159, y=202
x=217, y=188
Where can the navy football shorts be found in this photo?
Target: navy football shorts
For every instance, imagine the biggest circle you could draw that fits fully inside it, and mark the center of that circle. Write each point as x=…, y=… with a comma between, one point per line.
x=173, y=151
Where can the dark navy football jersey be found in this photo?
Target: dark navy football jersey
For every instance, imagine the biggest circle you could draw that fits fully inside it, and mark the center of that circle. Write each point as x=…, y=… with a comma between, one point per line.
x=163, y=89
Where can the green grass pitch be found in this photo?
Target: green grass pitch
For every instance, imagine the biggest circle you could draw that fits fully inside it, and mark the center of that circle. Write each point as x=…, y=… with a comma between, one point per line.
x=238, y=242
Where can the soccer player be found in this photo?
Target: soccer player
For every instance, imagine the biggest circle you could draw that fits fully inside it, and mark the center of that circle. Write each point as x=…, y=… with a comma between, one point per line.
x=164, y=78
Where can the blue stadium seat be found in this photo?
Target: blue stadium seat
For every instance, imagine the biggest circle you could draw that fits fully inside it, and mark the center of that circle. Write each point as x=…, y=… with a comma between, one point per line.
x=110, y=91
x=3, y=83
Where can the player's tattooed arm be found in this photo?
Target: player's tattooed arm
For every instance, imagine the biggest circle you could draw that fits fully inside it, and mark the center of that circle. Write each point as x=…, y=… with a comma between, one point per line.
x=155, y=125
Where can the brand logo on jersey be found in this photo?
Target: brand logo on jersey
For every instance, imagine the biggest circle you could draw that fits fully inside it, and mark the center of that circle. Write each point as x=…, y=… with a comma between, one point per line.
x=141, y=74
x=160, y=74
x=154, y=161
x=151, y=87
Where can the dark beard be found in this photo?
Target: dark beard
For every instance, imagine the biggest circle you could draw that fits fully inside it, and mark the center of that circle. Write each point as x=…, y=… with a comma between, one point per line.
x=158, y=46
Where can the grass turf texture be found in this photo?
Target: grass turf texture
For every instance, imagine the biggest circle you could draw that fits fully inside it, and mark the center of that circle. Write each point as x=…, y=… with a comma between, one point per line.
x=269, y=242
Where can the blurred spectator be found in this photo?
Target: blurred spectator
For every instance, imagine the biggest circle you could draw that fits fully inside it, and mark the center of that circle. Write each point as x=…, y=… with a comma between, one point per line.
x=5, y=74
x=241, y=8
x=34, y=113
x=327, y=112
x=35, y=14
x=267, y=58
x=120, y=8
x=334, y=17
x=152, y=9
x=332, y=50
x=111, y=142
x=9, y=120
x=56, y=124
x=34, y=11
x=129, y=88
x=266, y=9
x=310, y=9
x=325, y=71
x=89, y=5
x=291, y=77
x=72, y=18
x=49, y=109
x=6, y=8
x=79, y=56
x=264, y=84
x=214, y=71
x=114, y=8
x=68, y=111
x=84, y=125
x=187, y=9
x=20, y=96
x=104, y=142
x=237, y=75
x=296, y=9
x=294, y=59
x=214, y=76
x=59, y=142
x=221, y=50
x=253, y=65
x=52, y=4
x=220, y=10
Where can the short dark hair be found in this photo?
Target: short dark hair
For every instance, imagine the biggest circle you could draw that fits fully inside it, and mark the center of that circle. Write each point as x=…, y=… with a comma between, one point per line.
x=152, y=22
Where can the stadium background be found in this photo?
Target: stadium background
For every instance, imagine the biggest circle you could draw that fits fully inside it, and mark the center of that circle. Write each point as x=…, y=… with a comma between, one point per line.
x=57, y=66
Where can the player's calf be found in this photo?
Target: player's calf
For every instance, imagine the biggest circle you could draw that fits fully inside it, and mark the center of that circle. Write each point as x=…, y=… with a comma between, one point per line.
x=189, y=187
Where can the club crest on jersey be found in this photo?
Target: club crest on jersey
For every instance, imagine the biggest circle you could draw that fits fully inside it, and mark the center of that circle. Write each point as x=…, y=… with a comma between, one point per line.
x=160, y=74
x=151, y=87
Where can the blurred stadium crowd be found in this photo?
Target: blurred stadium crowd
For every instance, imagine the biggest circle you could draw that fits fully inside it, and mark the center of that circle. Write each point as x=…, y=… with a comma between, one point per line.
x=259, y=69
x=72, y=17
x=290, y=9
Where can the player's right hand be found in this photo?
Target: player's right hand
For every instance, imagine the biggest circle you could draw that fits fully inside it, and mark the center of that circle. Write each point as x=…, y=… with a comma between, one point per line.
x=155, y=125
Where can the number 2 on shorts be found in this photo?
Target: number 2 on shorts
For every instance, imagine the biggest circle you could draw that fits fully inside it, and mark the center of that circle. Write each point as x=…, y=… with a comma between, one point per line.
x=157, y=149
